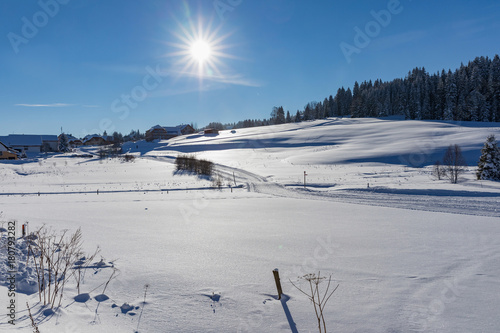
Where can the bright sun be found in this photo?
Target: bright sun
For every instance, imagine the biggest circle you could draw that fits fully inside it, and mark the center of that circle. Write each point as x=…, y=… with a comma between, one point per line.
x=201, y=51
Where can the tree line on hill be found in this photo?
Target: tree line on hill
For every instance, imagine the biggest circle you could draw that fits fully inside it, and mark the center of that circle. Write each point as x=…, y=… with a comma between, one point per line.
x=470, y=93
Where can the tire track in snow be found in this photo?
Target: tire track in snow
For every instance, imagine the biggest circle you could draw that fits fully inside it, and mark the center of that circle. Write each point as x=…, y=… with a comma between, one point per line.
x=478, y=206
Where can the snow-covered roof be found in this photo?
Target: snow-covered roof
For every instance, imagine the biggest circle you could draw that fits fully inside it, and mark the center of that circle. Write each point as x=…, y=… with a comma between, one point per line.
x=22, y=140
x=91, y=136
x=3, y=147
x=156, y=127
x=27, y=139
x=49, y=138
x=71, y=138
x=170, y=130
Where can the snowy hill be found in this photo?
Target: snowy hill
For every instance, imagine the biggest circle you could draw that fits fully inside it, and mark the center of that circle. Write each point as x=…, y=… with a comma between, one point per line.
x=410, y=253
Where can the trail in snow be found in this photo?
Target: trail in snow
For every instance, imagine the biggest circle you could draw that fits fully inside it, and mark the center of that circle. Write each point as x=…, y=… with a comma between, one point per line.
x=455, y=204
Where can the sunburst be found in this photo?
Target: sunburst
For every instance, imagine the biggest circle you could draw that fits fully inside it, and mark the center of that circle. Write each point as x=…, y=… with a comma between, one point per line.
x=199, y=49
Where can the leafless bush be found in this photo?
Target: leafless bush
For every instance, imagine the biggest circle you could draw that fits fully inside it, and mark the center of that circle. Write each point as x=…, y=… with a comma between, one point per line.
x=192, y=164
x=438, y=170
x=217, y=181
x=52, y=256
x=454, y=163
x=318, y=299
x=81, y=266
x=33, y=324
x=128, y=158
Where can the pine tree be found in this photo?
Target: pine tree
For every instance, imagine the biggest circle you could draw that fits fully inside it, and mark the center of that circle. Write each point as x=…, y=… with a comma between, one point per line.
x=288, y=117
x=63, y=143
x=298, y=118
x=489, y=162
x=451, y=97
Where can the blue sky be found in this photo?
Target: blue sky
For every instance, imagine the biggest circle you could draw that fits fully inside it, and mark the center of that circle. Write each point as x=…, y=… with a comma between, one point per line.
x=93, y=65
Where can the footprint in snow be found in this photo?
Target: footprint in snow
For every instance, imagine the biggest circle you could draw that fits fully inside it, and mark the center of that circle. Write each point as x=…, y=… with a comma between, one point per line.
x=101, y=298
x=82, y=298
x=215, y=299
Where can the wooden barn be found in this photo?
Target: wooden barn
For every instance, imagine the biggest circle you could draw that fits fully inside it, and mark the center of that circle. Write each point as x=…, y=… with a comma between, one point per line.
x=164, y=133
x=95, y=140
x=211, y=131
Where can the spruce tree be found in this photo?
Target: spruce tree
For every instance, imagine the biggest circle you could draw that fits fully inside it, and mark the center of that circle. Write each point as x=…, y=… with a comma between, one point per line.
x=297, y=118
x=488, y=167
x=63, y=143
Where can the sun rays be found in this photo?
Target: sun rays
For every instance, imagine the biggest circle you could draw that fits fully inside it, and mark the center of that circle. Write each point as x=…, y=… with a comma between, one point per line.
x=199, y=50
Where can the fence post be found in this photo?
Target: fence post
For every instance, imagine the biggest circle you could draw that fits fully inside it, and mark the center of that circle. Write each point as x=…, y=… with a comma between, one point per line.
x=278, y=283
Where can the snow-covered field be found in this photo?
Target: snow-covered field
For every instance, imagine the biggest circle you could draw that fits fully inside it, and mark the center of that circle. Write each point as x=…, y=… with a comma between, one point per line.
x=410, y=253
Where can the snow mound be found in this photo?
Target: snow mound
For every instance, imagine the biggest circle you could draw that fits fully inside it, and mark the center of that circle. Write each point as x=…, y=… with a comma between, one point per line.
x=26, y=278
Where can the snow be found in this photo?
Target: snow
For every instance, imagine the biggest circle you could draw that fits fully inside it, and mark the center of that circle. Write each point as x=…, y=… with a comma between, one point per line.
x=410, y=253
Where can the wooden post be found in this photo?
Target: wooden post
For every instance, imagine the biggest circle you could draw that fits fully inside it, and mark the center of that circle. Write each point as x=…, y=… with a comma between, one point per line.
x=24, y=230
x=305, y=174
x=278, y=283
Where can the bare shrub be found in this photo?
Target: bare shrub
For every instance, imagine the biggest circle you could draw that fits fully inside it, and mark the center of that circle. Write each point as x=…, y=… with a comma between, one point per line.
x=217, y=181
x=438, y=170
x=33, y=324
x=454, y=163
x=53, y=255
x=128, y=158
x=318, y=299
x=81, y=266
x=192, y=164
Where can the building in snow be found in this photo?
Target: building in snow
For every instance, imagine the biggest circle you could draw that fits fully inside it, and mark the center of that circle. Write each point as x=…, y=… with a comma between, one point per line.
x=211, y=131
x=6, y=153
x=72, y=141
x=97, y=140
x=25, y=143
x=164, y=133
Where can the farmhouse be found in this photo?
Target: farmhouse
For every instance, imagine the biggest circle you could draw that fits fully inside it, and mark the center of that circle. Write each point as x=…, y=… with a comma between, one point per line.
x=31, y=143
x=211, y=131
x=72, y=141
x=164, y=133
x=6, y=153
x=96, y=140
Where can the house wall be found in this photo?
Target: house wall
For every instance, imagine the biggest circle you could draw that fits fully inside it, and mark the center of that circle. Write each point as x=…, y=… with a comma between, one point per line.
x=5, y=155
x=157, y=134
x=94, y=142
x=54, y=145
x=28, y=149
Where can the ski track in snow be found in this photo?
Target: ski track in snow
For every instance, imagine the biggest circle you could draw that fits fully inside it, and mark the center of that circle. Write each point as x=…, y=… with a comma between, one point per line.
x=484, y=206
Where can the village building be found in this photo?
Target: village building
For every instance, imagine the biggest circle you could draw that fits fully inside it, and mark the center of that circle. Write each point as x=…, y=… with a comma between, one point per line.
x=27, y=143
x=211, y=131
x=164, y=133
x=6, y=153
x=72, y=141
x=97, y=140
